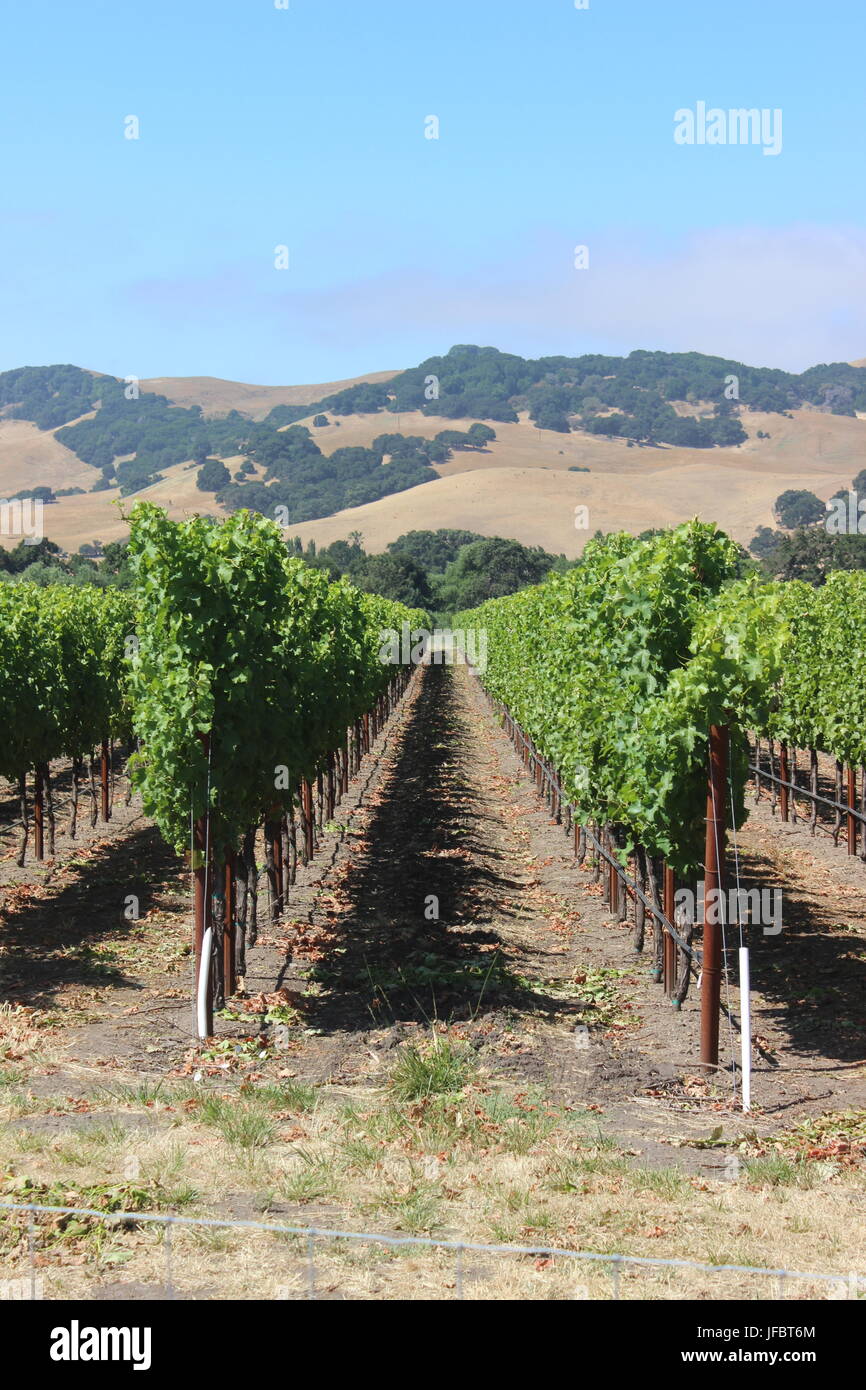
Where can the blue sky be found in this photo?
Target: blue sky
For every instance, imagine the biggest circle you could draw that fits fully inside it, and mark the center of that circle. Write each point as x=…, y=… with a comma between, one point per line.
x=304, y=127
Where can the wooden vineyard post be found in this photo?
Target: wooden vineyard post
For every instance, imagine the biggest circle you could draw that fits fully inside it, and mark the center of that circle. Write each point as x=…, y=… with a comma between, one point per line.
x=714, y=882
x=39, y=815
x=103, y=772
x=785, y=778
x=229, y=929
x=609, y=877
x=278, y=860
x=302, y=820
x=669, y=958
x=275, y=839
x=307, y=801
x=852, y=806
x=344, y=784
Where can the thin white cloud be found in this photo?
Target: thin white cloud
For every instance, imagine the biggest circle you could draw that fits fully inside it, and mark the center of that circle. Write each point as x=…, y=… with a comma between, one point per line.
x=788, y=297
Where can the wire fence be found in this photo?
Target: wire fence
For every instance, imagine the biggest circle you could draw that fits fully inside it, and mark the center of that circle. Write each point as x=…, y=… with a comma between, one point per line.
x=676, y=959
x=779, y=771
x=311, y=1268
x=551, y=779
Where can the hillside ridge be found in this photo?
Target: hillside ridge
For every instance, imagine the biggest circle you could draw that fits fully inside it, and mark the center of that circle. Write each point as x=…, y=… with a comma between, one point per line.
x=653, y=441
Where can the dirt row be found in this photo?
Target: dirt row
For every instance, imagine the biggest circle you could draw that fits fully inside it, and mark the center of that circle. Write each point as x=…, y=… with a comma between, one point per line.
x=445, y=893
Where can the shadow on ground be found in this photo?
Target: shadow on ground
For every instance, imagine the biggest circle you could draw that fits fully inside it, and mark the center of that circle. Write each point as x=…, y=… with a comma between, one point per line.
x=419, y=940
x=53, y=942
x=814, y=975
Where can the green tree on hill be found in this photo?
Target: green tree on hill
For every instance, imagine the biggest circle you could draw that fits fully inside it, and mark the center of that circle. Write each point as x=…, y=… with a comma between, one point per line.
x=212, y=476
x=798, y=507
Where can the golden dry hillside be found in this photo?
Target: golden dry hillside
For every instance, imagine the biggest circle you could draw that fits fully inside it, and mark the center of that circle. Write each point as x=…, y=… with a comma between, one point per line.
x=218, y=397
x=520, y=487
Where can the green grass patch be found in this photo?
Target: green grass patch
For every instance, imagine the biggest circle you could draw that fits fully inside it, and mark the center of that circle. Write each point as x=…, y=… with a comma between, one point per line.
x=439, y=1068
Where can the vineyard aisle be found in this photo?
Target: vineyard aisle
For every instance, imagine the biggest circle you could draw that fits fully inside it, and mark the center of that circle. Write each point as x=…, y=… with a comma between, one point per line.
x=312, y=1102
x=524, y=951
x=444, y=893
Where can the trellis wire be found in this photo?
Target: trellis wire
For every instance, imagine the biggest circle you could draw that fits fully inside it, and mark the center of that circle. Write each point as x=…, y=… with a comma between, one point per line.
x=616, y=1259
x=805, y=793
x=553, y=781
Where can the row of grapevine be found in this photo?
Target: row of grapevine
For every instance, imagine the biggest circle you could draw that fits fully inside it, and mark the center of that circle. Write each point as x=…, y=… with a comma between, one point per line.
x=820, y=703
x=63, y=686
x=821, y=693
x=244, y=676
x=618, y=668
x=249, y=671
x=625, y=681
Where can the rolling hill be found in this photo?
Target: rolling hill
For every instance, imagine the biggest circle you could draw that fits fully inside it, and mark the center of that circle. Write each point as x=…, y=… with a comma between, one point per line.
x=520, y=486
x=218, y=397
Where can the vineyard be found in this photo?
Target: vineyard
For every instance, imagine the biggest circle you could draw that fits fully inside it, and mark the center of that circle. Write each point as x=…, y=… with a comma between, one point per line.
x=631, y=684
x=246, y=677
x=246, y=687
x=449, y=1021
x=63, y=688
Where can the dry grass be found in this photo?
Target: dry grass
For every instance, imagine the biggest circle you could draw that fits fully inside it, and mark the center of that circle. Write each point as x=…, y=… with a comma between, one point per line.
x=439, y=1153
x=216, y=396
x=27, y=1034
x=521, y=487
x=30, y=456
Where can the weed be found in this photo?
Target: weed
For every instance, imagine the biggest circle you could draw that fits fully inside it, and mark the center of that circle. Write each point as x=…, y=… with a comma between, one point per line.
x=440, y=1068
